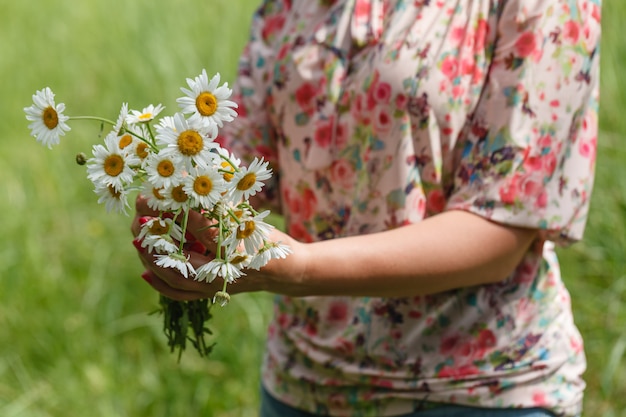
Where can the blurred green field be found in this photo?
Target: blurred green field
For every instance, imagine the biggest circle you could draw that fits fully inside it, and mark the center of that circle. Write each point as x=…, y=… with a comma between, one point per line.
x=75, y=336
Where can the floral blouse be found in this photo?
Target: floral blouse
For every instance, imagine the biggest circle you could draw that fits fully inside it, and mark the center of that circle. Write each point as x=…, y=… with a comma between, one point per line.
x=380, y=113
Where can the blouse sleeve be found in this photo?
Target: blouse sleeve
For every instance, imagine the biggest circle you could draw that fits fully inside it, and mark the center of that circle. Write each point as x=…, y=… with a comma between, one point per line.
x=527, y=155
x=252, y=134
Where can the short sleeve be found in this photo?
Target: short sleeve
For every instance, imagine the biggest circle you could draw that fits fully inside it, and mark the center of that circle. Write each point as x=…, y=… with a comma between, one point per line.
x=252, y=133
x=527, y=155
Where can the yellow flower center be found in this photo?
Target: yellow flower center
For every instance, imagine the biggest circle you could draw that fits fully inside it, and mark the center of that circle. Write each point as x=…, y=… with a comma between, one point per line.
x=179, y=195
x=158, y=229
x=206, y=103
x=238, y=259
x=202, y=185
x=247, y=181
x=50, y=117
x=247, y=230
x=145, y=116
x=142, y=150
x=227, y=167
x=165, y=168
x=190, y=143
x=113, y=165
x=125, y=141
x=156, y=192
x=114, y=192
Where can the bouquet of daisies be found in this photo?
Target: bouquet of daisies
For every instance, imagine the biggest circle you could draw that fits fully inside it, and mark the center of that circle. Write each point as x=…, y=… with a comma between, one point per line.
x=178, y=166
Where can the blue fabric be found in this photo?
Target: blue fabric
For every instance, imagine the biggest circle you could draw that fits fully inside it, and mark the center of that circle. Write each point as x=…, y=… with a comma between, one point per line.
x=271, y=407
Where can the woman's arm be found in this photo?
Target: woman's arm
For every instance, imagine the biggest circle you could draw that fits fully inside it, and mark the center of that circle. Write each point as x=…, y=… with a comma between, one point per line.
x=451, y=250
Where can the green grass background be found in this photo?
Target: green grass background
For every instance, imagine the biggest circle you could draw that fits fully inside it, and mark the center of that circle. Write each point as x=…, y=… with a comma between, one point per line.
x=75, y=336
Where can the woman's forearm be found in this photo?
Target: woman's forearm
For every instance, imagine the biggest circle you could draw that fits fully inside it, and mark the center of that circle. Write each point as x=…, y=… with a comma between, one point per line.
x=451, y=250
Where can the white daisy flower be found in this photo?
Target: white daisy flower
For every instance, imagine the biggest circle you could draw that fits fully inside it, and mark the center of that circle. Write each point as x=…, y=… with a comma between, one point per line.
x=205, y=187
x=252, y=232
x=164, y=169
x=114, y=199
x=187, y=141
x=161, y=244
x=176, y=197
x=207, y=102
x=111, y=166
x=121, y=119
x=145, y=115
x=177, y=261
x=222, y=268
x=271, y=250
x=166, y=122
x=48, y=121
x=160, y=227
x=249, y=180
x=228, y=164
x=156, y=196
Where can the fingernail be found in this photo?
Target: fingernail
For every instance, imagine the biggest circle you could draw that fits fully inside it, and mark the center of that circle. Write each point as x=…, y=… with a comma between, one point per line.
x=144, y=220
x=146, y=277
x=137, y=245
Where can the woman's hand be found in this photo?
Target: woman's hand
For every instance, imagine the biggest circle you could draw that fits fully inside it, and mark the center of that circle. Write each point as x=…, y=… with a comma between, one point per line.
x=278, y=276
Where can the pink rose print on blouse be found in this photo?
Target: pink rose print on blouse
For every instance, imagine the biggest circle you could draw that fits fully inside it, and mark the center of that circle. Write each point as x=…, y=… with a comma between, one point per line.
x=305, y=97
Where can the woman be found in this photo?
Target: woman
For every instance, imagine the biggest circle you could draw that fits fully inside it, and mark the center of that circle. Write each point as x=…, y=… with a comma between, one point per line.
x=427, y=155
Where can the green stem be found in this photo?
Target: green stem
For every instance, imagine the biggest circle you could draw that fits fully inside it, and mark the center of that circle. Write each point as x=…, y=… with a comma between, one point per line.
x=184, y=227
x=96, y=118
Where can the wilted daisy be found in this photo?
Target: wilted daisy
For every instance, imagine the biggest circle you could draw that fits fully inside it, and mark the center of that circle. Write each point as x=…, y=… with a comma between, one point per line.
x=163, y=169
x=222, y=268
x=205, y=187
x=249, y=180
x=111, y=166
x=176, y=261
x=269, y=251
x=161, y=244
x=113, y=199
x=207, y=101
x=252, y=231
x=186, y=141
x=48, y=121
x=157, y=226
x=145, y=115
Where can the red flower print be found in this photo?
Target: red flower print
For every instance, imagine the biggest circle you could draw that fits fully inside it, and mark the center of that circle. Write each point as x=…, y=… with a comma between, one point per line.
x=382, y=121
x=362, y=9
x=342, y=174
x=382, y=92
x=435, y=201
x=571, y=32
x=526, y=44
x=486, y=339
x=324, y=133
x=298, y=232
x=450, y=67
x=337, y=312
x=457, y=372
x=272, y=25
x=305, y=97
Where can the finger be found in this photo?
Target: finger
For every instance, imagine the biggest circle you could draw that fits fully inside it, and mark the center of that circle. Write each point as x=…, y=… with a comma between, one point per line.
x=200, y=227
x=173, y=277
x=174, y=293
x=142, y=208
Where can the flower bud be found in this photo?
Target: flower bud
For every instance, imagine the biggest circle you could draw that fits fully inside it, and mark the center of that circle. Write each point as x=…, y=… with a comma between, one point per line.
x=81, y=158
x=221, y=297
